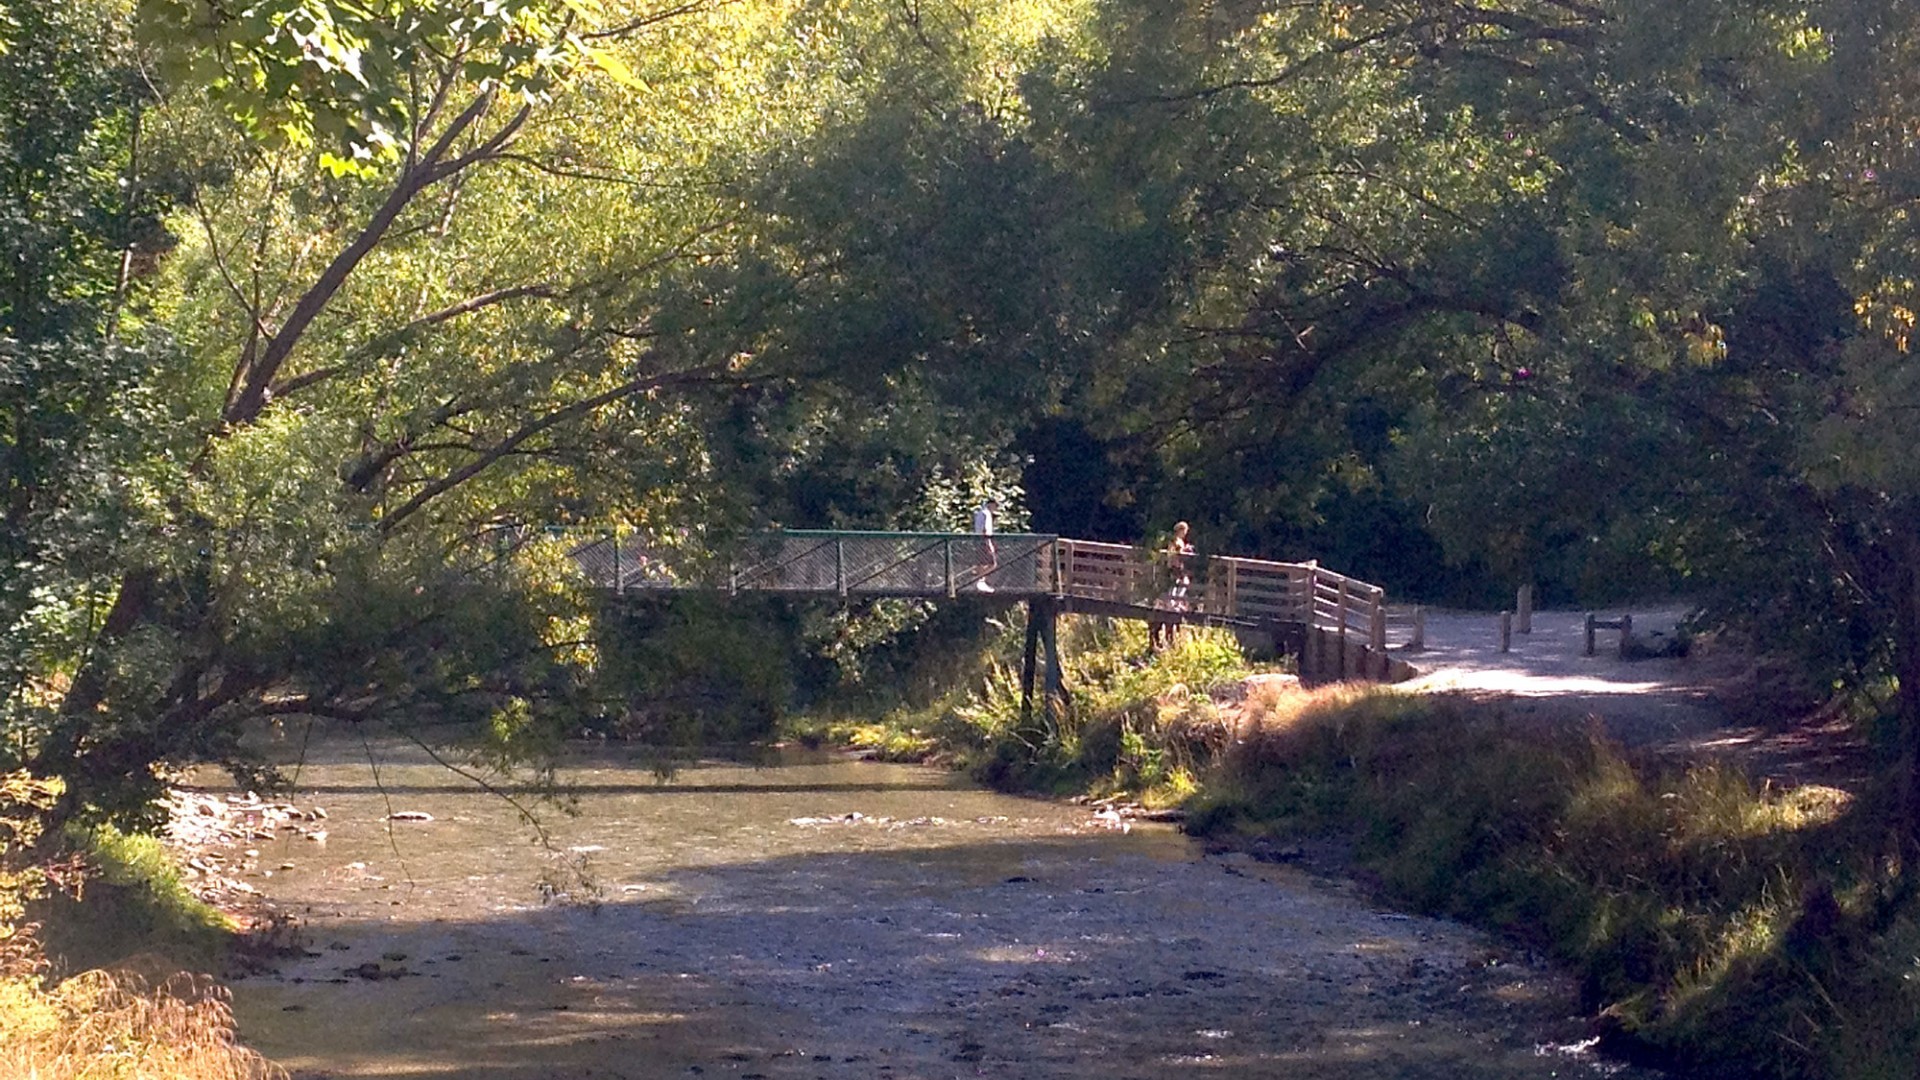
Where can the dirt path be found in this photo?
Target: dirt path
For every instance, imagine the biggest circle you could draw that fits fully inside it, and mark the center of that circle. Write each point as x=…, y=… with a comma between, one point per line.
x=1693, y=708
x=1642, y=702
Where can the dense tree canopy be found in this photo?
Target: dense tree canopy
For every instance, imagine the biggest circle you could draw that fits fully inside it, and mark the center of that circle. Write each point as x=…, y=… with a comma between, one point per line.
x=309, y=307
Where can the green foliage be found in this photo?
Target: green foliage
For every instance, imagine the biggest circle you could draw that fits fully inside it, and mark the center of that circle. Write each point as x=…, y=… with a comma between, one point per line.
x=134, y=902
x=345, y=76
x=24, y=803
x=1135, y=719
x=694, y=671
x=79, y=207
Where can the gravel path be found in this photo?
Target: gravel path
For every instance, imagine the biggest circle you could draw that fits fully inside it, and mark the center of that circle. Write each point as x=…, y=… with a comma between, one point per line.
x=1651, y=703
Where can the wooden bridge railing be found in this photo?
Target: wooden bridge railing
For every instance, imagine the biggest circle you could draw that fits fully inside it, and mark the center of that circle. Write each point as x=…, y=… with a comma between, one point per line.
x=1018, y=564
x=1228, y=587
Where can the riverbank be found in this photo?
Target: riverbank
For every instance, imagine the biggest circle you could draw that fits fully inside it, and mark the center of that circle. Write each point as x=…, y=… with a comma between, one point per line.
x=818, y=915
x=1712, y=922
x=98, y=941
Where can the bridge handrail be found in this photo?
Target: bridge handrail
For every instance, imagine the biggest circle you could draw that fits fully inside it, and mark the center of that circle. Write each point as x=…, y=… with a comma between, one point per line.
x=1232, y=586
x=929, y=563
x=841, y=562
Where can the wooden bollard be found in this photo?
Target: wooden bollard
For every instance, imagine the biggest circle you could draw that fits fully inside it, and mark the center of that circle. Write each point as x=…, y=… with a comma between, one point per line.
x=1419, y=640
x=1506, y=631
x=1524, y=603
x=1624, y=624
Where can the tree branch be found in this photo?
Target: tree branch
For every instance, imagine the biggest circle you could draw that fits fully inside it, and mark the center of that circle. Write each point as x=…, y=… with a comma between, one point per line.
x=575, y=411
x=654, y=19
x=255, y=393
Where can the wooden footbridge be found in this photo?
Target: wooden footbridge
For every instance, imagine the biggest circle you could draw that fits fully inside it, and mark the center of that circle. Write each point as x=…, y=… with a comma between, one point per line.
x=1334, y=624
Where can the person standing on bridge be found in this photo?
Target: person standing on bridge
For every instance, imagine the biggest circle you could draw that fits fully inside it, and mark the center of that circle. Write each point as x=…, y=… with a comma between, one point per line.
x=983, y=516
x=1179, y=554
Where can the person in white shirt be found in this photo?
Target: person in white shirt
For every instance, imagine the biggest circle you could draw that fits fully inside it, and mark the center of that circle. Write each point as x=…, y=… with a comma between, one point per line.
x=983, y=516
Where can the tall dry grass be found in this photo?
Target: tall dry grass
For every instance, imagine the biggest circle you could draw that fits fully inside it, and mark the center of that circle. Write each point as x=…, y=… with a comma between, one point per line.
x=1744, y=929
x=121, y=1025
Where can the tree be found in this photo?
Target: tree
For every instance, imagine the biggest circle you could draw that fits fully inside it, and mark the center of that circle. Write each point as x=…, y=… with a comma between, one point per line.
x=1614, y=274
x=81, y=199
x=497, y=302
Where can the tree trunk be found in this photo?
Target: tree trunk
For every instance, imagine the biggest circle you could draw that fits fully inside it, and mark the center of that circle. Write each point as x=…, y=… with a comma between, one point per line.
x=1907, y=668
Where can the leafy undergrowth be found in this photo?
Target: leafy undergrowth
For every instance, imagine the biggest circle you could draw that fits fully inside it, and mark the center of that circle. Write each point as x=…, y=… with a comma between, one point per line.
x=131, y=901
x=1741, y=930
x=124, y=1022
x=1134, y=719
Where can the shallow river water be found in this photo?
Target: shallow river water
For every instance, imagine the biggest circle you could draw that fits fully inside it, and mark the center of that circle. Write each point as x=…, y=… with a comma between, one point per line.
x=825, y=917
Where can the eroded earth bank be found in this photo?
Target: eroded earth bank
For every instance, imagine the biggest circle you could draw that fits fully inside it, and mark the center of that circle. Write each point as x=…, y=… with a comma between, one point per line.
x=823, y=917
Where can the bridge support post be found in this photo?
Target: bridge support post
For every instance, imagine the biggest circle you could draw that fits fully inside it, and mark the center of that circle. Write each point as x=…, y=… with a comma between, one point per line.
x=1026, y=663
x=1055, y=685
x=1042, y=637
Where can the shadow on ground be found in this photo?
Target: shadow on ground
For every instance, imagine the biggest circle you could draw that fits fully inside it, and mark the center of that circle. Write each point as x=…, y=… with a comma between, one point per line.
x=886, y=929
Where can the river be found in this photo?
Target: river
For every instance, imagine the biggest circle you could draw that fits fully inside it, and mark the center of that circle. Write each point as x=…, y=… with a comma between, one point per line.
x=826, y=917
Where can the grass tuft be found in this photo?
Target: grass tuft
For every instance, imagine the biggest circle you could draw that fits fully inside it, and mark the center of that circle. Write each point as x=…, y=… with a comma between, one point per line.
x=132, y=901
x=103, y=1025
x=1741, y=929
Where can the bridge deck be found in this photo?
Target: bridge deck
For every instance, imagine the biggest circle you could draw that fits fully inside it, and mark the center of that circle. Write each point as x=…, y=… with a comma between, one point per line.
x=1101, y=578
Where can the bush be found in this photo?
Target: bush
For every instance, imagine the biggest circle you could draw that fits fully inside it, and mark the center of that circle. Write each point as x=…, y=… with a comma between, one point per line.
x=1135, y=719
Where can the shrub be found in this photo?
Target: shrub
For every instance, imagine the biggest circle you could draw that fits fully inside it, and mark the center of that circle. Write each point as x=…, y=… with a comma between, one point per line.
x=130, y=901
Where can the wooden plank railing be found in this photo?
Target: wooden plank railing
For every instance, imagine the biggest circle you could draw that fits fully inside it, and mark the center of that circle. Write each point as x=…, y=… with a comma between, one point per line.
x=1116, y=573
x=1229, y=587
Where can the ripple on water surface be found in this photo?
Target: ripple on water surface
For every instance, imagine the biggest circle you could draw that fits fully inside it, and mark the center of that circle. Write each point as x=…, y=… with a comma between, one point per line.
x=821, y=916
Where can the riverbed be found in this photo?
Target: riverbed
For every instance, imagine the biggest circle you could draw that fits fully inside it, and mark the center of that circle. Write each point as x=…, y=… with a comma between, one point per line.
x=819, y=916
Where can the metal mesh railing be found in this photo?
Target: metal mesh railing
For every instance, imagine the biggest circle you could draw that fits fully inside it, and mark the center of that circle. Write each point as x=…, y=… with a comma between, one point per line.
x=840, y=563
x=617, y=563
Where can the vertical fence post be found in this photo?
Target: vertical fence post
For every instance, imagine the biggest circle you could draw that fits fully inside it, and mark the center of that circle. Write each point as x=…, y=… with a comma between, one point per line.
x=1377, y=633
x=1506, y=631
x=840, y=565
x=619, y=579
x=1340, y=607
x=1590, y=622
x=1626, y=634
x=1419, y=630
x=946, y=554
x=1524, y=603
